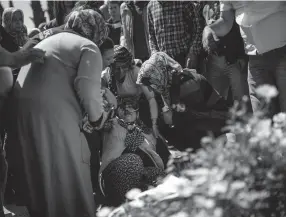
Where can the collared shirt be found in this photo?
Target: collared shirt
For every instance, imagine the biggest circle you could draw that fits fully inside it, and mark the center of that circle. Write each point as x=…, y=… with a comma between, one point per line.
x=175, y=27
x=262, y=24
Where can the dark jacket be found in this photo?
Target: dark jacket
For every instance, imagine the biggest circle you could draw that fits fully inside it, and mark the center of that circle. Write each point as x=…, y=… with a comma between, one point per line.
x=231, y=46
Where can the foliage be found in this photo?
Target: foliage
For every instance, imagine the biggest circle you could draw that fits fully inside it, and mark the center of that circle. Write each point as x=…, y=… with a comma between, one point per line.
x=238, y=175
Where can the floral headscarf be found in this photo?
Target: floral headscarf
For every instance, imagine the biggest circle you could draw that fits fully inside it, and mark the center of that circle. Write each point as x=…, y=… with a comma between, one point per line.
x=122, y=57
x=156, y=73
x=89, y=24
x=20, y=37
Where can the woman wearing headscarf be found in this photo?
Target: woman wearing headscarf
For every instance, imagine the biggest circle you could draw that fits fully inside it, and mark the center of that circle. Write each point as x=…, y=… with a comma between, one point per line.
x=50, y=101
x=191, y=105
x=129, y=155
x=13, y=23
x=121, y=79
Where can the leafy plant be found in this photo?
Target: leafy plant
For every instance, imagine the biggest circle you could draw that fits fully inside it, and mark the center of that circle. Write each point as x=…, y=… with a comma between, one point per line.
x=242, y=174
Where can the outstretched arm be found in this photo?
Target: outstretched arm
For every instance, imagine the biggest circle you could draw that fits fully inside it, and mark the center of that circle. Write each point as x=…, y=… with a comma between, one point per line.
x=153, y=108
x=21, y=57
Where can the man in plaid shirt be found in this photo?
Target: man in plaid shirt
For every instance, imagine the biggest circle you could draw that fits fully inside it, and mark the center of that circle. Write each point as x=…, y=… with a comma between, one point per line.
x=175, y=27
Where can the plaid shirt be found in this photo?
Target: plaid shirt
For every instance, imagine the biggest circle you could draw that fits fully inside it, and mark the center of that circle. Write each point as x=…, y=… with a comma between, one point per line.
x=175, y=27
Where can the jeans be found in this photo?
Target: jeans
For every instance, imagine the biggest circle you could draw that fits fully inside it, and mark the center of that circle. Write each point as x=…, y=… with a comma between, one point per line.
x=268, y=68
x=223, y=76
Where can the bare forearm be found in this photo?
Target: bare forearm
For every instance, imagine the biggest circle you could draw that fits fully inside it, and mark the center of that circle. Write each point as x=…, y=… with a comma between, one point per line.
x=153, y=109
x=223, y=25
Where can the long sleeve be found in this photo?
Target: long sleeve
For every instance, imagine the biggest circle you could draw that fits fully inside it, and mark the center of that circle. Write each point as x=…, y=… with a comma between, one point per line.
x=88, y=81
x=197, y=21
x=152, y=37
x=127, y=28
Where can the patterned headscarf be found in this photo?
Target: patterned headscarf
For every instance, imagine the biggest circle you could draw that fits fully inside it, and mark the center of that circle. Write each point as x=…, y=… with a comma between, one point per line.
x=20, y=37
x=122, y=57
x=89, y=24
x=156, y=73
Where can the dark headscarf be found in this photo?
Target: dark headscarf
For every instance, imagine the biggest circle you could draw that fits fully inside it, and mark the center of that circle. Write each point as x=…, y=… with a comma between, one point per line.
x=89, y=24
x=21, y=36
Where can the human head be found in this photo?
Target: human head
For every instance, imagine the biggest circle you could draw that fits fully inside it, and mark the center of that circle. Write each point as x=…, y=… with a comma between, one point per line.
x=156, y=72
x=123, y=58
x=128, y=109
x=107, y=52
x=89, y=24
x=113, y=8
x=13, y=20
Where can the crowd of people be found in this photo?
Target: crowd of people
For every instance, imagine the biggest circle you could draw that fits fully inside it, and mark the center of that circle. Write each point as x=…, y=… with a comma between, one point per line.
x=93, y=101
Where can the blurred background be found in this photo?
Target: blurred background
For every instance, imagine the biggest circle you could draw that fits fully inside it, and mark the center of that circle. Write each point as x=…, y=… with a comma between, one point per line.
x=35, y=12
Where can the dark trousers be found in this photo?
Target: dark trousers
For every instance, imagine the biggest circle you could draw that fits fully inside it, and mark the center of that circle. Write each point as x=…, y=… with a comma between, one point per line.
x=181, y=59
x=94, y=141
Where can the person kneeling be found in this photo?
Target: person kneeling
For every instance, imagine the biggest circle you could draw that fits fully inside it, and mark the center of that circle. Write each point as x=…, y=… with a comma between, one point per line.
x=129, y=158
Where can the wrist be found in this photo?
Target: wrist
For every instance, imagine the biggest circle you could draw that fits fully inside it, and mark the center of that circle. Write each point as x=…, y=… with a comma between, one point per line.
x=165, y=109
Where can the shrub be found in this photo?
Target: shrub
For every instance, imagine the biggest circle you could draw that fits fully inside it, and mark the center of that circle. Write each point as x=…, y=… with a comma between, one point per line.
x=242, y=174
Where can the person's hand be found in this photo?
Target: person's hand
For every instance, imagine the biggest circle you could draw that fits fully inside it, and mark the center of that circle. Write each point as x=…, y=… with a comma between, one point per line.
x=179, y=107
x=168, y=117
x=110, y=98
x=87, y=127
x=30, y=44
x=191, y=61
x=26, y=56
x=209, y=39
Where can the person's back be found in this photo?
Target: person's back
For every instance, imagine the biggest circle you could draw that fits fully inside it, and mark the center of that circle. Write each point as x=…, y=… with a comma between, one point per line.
x=54, y=80
x=48, y=101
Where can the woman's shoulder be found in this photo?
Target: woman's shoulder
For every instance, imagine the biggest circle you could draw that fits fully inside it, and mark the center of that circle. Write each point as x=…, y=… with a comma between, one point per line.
x=135, y=72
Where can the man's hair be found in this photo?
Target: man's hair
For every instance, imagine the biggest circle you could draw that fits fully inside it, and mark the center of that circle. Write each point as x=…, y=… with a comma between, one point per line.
x=106, y=45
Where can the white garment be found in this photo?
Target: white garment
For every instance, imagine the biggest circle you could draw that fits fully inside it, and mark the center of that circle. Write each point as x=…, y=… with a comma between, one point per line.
x=262, y=24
